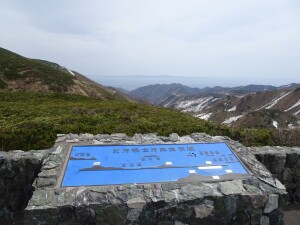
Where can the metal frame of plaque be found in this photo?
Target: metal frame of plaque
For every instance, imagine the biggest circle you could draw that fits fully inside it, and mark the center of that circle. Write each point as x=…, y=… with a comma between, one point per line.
x=97, y=165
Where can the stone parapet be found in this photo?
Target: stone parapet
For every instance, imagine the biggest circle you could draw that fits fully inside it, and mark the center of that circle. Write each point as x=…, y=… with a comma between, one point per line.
x=284, y=164
x=255, y=200
x=18, y=170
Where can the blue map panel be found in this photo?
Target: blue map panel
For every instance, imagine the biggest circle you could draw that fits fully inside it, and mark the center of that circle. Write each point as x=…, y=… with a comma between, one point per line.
x=131, y=164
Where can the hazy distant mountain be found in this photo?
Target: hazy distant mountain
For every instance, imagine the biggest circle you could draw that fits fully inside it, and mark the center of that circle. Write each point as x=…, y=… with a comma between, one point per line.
x=237, y=90
x=158, y=92
x=244, y=106
x=122, y=90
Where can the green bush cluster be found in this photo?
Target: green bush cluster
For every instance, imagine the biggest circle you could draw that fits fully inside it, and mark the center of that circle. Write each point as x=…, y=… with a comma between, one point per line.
x=32, y=120
x=3, y=85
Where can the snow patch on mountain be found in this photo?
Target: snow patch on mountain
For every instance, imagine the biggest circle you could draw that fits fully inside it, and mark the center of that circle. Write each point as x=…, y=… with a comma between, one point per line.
x=274, y=101
x=287, y=86
x=293, y=106
x=204, y=116
x=296, y=113
x=275, y=124
x=232, y=119
x=194, y=105
x=71, y=72
x=215, y=99
x=232, y=109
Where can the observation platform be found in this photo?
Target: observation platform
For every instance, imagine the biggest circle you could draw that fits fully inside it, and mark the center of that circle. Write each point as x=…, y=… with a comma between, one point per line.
x=149, y=179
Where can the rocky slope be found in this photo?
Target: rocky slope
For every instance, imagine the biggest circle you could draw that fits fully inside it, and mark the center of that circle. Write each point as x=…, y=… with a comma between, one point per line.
x=278, y=108
x=18, y=73
x=159, y=92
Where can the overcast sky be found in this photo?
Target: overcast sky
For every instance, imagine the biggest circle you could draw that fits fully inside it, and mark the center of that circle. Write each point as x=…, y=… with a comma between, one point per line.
x=245, y=41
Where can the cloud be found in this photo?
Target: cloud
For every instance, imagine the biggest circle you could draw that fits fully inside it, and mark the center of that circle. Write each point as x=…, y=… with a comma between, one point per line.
x=250, y=39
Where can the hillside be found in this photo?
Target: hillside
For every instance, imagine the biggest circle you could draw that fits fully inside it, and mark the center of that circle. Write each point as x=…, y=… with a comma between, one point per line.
x=18, y=73
x=278, y=108
x=39, y=99
x=32, y=120
x=158, y=92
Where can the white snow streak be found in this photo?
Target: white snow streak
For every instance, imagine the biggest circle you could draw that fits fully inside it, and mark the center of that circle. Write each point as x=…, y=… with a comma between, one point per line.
x=274, y=101
x=286, y=86
x=204, y=116
x=275, y=124
x=232, y=109
x=194, y=105
x=232, y=119
x=71, y=72
x=296, y=113
x=293, y=106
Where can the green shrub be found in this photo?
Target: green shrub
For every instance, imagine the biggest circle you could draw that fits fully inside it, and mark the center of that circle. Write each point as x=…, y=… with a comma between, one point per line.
x=32, y=120
x=3, y=85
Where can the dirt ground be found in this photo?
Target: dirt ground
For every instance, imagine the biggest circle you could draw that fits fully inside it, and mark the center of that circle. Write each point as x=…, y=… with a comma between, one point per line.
x=292, y=214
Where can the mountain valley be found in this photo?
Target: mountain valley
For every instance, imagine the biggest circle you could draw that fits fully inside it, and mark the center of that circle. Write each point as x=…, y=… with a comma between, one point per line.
x=246, y=106
x=40, y=99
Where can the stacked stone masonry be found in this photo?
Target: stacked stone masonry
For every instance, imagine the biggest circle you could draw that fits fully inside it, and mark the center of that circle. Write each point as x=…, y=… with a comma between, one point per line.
x=256, y=200
x=18, y=170
x=284, y=164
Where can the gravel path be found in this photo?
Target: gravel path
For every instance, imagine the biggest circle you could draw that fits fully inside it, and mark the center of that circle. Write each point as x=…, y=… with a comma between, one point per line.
x=292, y=214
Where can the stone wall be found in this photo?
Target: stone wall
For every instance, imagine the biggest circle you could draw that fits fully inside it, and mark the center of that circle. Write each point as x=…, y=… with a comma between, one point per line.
x=284, y=164
x=18, y=170
x=256, y=200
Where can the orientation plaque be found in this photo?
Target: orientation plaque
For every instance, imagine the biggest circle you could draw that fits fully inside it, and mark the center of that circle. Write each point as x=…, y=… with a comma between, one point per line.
x=151, y=163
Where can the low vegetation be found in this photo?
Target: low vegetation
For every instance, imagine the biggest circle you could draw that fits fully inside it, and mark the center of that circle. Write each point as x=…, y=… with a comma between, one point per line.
x=32, y=120
x=14, y=67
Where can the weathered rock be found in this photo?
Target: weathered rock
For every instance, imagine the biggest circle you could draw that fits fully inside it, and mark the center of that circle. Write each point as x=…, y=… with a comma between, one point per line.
x=272, y=203
x=18, y=170
x=48, y=173
x=204, y=210
x=136, y=203
x=287, y=175
x=174, y=137
x=256, y=216
x=191, y=191
x=133, y=214
x=118, y=136
x=264, y=220
x=169, y=195
x=258, y=201
x=45, y=182
x=114, y=215
x=231, y=187
x=60, y=139
x=284, y=164
x=278, y=163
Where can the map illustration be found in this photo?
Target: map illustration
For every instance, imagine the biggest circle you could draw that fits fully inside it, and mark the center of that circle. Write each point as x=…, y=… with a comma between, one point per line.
x=132, y=164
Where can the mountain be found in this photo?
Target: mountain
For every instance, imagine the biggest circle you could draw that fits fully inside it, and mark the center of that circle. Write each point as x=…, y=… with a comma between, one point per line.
x=122, y=90
x=40, y=99
x=18, y=73
x=159, y=92
x=240, y=90
x=245, y=106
